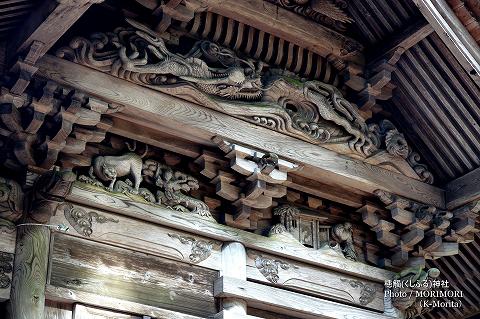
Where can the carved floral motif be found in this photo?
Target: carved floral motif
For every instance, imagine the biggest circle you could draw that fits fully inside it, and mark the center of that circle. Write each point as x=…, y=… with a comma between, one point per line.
x=200, y=251
x=82, y=221
x=367, y=293
x=269, y=267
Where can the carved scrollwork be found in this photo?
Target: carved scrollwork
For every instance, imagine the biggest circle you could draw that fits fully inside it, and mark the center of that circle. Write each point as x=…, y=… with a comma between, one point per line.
x=6, y=267
x=269, y=267
x=219, y=79
x=82, y=221
x=11, y=199
x=200, y=249
x=138, y=55
x=367, y=293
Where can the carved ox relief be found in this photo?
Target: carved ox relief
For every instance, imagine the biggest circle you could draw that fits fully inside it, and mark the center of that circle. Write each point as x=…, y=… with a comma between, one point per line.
x=218, y=78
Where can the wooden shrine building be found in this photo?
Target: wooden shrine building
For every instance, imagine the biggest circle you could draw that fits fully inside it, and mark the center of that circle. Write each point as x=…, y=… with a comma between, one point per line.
x=239, y=159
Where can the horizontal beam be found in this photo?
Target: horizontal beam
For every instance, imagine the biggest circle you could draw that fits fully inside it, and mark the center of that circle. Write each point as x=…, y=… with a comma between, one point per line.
x=463, y=190
x=453, y=33
x=122, y=205
x=47, y=24
x=286, y=25
x=66, y=295
x=286, y=302
x=182, y=117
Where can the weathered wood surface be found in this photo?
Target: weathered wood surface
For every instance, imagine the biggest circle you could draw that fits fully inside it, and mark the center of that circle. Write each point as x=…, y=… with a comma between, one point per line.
x=48, y=23
x=58, y=310
x=299, y=277
x=7, y=236
x=7, y=250
x=286, y=25
x=87, y=312
x=27, y=296
x=289, y=303
x=234, y=265
x=145, y=237
x=71, y=295
x=120, y=204
x=453, y=33
x=463, y=190
x=182, y=117
x=109, y=271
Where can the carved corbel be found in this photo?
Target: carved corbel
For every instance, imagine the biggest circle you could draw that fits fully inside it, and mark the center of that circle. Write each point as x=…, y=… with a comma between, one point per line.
x=251, y=183
x=414, y=231
x=73, y=120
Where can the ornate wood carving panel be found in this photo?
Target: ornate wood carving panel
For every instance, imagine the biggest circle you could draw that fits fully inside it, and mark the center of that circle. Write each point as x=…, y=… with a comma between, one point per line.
x=320, y=282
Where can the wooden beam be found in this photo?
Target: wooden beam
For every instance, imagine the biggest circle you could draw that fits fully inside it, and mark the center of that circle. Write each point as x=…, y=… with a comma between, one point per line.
x=286, y=25
x=286, y=302
x=183, y=117
x=400, y=43
x=77, y=296
x=47, y=24
x=463, y=190
x=453, y=33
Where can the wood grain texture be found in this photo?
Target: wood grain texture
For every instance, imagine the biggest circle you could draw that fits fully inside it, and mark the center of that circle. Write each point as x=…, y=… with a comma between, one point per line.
x=195, y=225
x=317, y=282
x=8, y=234
x=146, y=237
x=463, y=190
x=453, y=33
x=286, y=25
x=131, y=276
x=71, y=295
x=57, y=310
x=87, y=312
x=48, y=23
x=182, y=117
x=27, y=295
x=288, y=303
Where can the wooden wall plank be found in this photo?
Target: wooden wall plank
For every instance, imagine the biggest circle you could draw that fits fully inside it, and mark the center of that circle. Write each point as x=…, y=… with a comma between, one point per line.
x=58, y=310
x=145, y=237
x=131, y=276
x=73, y=295
x=287, y=302
x=88, y=312
x=184, y=117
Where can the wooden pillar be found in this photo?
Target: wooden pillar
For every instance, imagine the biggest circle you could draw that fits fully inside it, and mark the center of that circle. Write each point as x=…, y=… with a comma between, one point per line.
x=27, y=297
x=234, y=265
